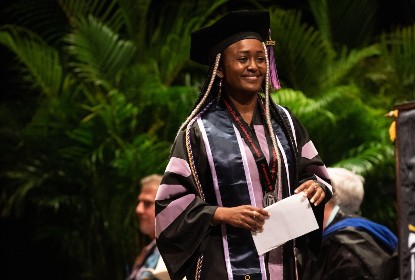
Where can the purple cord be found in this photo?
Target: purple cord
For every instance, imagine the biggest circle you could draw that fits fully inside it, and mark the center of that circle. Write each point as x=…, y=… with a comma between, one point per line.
x=273, y=68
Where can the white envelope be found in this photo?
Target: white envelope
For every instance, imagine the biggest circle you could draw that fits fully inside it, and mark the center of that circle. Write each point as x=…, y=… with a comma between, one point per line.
x=289, y=219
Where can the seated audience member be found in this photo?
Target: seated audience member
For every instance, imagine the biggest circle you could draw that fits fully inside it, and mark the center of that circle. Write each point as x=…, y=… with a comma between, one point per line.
x=353, y=247
x=149, y=257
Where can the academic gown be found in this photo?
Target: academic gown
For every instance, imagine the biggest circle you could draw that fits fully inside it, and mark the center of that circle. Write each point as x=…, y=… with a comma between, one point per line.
x=354, y=251
x=227, y=175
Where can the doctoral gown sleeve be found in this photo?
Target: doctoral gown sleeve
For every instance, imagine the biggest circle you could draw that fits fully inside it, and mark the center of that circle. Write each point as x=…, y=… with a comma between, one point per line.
x=311, y=167
x=183, y=218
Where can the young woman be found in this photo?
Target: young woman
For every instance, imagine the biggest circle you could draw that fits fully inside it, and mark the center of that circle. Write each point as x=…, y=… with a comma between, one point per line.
x=236, y=153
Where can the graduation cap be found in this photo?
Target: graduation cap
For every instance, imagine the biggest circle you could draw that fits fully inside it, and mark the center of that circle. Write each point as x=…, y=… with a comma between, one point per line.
x=207, y=42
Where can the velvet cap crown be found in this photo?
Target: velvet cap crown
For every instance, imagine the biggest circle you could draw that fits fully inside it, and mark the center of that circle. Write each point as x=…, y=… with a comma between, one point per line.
x=208, y=41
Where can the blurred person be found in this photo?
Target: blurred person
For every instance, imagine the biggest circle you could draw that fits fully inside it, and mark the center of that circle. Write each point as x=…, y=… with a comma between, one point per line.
x=149, y=257
x=353, y=247
x=349, y=192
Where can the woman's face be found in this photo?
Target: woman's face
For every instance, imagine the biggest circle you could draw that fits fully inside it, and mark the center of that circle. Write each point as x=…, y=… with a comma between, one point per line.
x=244, y=67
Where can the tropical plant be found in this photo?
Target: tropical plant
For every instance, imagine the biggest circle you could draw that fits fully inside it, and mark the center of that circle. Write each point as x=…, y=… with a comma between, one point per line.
x=100, y=123
x=350, y=134
x=348, y=131
x=398, y=48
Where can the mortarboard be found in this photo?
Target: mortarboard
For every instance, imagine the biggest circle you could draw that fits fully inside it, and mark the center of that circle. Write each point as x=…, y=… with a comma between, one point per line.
x=234, y=26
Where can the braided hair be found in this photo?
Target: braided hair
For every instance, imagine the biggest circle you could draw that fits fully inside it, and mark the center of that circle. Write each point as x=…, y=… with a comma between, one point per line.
x=208, y=92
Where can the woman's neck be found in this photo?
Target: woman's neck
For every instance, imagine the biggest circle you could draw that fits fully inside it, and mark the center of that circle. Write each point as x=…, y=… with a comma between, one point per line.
x=245, y=105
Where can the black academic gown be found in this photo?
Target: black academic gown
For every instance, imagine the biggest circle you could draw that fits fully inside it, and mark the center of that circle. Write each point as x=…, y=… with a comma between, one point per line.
x=228, y=176
x=350, y=254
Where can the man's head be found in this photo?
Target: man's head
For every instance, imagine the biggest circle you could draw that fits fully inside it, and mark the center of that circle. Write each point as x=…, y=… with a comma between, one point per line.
x=348, y=188
x=348, y=191
x=145, y=209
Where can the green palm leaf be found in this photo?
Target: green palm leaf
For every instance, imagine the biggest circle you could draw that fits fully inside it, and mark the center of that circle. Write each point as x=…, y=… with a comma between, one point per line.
x=338, y=117
x=399, y=49
x=367, y=157
x=301, y=53
x=101, y=55
x=44, y=18
x=41, y=62
x=339, y=71
x=169, y=42
x=107, y=11
x=135, y=15
x=345, y=23
x=305, y=108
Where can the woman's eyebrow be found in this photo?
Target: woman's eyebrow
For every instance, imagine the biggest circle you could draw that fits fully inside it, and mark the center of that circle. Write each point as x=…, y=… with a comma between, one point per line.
x=243, y=51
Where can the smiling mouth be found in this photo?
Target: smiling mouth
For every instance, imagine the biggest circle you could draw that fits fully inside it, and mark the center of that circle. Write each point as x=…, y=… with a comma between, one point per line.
x=251, y=77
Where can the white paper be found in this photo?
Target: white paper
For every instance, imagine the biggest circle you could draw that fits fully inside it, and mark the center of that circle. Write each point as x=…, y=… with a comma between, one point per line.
x=289, y=219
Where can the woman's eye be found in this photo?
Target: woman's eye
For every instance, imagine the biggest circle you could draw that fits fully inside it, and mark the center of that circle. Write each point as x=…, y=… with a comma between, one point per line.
x=261, y=59
x=242, y=59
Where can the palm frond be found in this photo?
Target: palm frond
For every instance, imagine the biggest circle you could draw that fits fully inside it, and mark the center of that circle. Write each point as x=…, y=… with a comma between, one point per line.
x=41, y=62
x=135, y=15
x=337, y=117
x=145, y=155
x=365, y=158
x=320, y=11
x=142, y=85
x=345, y=23
x=25, y=180
x=169, y=42
x=399, y=47
x=101, y=55
x=301, y=53
x=107, y=11
x=43, y=17
x=338, y=71
x=304, y=108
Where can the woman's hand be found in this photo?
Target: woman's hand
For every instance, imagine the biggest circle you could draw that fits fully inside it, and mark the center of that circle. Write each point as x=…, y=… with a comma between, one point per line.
x=313, y=191
x=244, y=216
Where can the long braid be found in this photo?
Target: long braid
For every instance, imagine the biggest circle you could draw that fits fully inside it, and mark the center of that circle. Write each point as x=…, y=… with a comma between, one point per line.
x=286, y=127
x=269, y=124
x=200, y=103
x=275, y=111
x=206, y=82
x=204, y=94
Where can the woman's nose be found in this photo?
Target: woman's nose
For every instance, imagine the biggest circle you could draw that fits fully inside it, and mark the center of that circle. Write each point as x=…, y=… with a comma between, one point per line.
x=252, y=65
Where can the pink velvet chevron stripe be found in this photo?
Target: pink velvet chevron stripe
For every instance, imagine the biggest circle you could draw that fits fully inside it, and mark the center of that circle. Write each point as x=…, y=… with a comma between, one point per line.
x=309, y=151
x=178, y=166
x=168, y=191
x=171, y=212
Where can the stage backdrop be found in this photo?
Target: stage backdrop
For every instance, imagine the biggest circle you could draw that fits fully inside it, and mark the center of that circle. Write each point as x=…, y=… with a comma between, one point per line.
x=405, y=184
